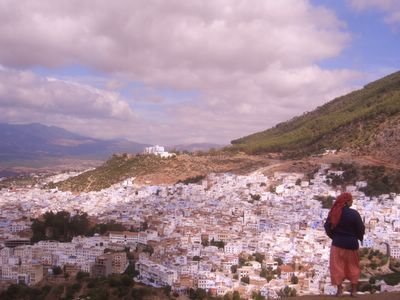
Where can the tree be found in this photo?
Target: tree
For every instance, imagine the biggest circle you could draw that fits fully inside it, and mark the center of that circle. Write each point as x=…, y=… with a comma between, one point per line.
x=130, y=270
x=245, y=279
x=242, y=261
x=126, y=280
x=57, y=270
x=264, y=273
x=167, y=290
x=204, y=241
x=219, y=244
x=149, y=249
x=278, y=272
x=257, y=296
x=139, y=293
x=81, y=275
x=287, y=292
x=372, y=280
x=234, y=269
x=227, y=296
x=236, y=295
x=18, y=291
x=259, y=257
x=198, y=294
x=60, y=226
x=294, y=279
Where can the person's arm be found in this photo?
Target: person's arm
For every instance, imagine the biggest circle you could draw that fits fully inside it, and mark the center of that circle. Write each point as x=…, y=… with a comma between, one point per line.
x=359, y=227
x=328, y=228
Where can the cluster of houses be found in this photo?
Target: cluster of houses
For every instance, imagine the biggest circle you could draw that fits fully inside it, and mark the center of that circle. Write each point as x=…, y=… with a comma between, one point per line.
x=206, y=235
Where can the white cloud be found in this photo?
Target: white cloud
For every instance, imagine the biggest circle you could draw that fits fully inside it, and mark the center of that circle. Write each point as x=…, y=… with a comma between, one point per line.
x=26, y=91
x=250, y=64
x=391, y=8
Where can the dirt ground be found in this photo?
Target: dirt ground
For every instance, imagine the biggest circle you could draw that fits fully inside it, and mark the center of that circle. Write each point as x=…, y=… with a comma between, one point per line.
x=380, y=296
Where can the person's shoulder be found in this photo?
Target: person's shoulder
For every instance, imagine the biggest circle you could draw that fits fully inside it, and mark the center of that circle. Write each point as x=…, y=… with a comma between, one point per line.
x=353, y=211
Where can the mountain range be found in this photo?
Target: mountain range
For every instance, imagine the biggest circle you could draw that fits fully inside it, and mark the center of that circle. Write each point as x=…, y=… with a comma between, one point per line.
x=37, y=145
x=36, y=141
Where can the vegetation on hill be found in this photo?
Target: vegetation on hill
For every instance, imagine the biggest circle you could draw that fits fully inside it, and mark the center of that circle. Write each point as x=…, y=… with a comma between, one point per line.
x=376, y=264
x=380, y=180
x=348, y=121
x=116, y=169
x=372, y=259
x=61, y=226
x=326, y=201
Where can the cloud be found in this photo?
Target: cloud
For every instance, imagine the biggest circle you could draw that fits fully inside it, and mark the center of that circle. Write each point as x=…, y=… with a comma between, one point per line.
x=391, y=8
x=27, y=92
x=140, y=37
x=242, y=66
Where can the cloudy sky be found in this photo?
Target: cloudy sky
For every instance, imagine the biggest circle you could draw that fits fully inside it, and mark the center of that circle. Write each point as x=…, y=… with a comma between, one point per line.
x=184, y=71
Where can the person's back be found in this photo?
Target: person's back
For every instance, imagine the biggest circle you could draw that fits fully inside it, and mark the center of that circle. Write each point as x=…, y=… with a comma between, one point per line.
x=349, y=230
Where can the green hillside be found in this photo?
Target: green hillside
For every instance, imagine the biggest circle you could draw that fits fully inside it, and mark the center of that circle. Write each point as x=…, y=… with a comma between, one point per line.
x=348, y=121
x=116, y=169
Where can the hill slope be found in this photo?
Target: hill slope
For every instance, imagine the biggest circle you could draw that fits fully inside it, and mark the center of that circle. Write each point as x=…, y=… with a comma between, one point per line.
x=155, y=170
x=36, y=141
x=367, y=120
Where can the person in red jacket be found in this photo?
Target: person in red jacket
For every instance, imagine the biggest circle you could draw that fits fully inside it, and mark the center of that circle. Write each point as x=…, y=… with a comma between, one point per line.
x=345, y=227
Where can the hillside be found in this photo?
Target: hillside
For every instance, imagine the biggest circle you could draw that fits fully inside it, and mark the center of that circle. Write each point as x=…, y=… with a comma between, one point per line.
x=364, y=121
x=152, y=169
x=34, y=143
x=196, y=147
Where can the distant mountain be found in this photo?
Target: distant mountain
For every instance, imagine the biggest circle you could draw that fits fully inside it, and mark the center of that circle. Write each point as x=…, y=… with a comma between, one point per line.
x=366, y=121
x=36, y=141
x=194, y=147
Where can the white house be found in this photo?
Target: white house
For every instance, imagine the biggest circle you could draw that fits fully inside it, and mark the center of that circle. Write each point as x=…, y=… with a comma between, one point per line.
x=158, y=150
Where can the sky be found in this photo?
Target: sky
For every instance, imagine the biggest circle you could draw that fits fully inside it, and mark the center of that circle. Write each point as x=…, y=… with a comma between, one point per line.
x=187, y=71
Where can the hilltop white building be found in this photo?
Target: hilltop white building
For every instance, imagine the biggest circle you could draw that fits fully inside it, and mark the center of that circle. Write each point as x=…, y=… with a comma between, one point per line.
x=158, y=150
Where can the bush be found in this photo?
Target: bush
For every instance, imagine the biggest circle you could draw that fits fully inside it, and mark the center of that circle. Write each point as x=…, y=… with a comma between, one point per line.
x=245, y=279
x=57, y=270
x=372, y=280
x=126, y=280
x=139, y=293
x=234, y=269
x=98, y=294
x=391, y=279
x=294, y=280
x=81, y=275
